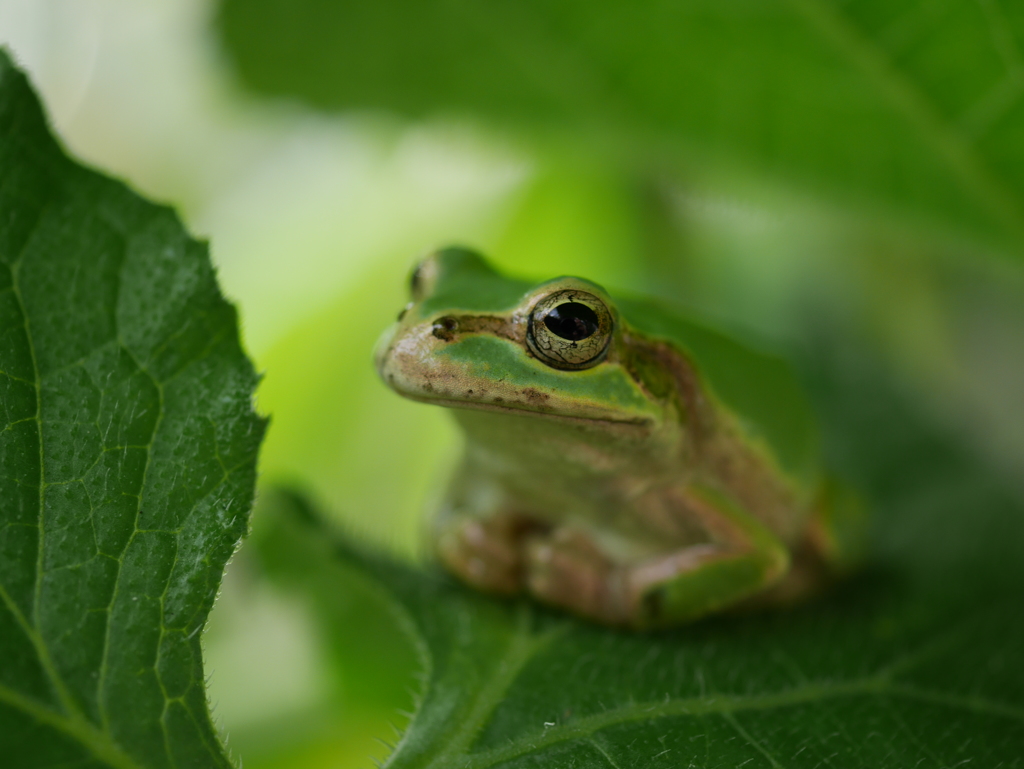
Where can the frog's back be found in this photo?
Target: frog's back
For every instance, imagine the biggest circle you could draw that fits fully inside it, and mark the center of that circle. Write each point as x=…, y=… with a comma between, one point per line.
x=758, y=387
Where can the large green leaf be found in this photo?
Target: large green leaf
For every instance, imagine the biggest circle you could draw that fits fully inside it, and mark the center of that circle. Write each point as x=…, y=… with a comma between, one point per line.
x=127, y=462
x=913, y=106
x=915, y=662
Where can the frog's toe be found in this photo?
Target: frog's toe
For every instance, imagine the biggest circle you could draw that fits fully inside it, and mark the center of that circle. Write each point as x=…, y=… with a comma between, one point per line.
x=485, y=553
x=567, y=569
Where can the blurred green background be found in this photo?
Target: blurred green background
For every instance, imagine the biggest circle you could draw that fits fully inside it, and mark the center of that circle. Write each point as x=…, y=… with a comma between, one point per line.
x=779, y=166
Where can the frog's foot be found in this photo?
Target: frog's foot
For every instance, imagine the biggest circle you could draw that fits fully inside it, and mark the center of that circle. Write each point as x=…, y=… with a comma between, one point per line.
x=698, y=581
x=745, y=559
x=486, y=553
x=832, y=546
x=566, y=568
x=808, y=575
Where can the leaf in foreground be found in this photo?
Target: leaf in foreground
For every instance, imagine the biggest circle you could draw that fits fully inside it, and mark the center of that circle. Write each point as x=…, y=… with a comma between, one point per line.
x=916, y=662
x=127, y=462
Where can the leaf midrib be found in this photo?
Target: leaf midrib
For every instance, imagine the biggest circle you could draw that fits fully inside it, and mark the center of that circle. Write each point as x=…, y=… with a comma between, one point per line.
x=30, y=628
x=74, y=723
x=75, y=726
x=522, y=647
x=587, y=726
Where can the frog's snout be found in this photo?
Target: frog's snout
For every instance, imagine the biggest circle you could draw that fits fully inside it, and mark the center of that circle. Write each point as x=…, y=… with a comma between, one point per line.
x=405, y=357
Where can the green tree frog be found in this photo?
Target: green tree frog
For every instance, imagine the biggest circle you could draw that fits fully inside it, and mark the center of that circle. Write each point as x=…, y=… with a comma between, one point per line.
x=633, y=467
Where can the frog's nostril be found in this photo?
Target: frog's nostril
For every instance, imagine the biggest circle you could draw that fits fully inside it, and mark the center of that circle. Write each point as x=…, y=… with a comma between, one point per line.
x=445, y=328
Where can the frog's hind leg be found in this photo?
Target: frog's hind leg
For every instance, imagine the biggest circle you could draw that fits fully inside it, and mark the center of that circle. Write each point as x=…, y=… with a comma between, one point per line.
x=479, y=531
x=567, y=568
x=832, y=546
x=838, y=529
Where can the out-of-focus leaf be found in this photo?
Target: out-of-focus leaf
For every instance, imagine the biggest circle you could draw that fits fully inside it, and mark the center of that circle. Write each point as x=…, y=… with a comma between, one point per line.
x=913, y=662
x=913, y=106
x=127, y=462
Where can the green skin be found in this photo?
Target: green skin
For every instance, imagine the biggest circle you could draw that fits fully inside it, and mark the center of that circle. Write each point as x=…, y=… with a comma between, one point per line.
x=641, y=471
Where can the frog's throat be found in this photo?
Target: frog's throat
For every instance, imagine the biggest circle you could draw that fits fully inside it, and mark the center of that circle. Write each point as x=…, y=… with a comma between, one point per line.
x=517, y=409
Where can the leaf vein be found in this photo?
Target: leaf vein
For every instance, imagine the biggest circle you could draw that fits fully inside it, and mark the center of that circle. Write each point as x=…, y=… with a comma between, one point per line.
x=43, y=652
x=97, y=742
x=719, y=705
x=731, y=720
x=973, y=703
x=950, y=144
x=104, y=659
x=523, y=645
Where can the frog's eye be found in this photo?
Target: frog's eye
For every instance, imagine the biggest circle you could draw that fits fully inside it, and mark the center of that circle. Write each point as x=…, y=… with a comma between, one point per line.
x=570, y=329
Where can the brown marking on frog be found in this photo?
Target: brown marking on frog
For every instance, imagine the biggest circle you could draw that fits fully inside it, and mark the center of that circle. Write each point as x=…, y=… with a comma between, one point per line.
x=535, y=396
x=689, y=390
x=725, y=456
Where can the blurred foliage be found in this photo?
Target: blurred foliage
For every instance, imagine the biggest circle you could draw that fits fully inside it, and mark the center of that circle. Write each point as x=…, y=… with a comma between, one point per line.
x=908, y=105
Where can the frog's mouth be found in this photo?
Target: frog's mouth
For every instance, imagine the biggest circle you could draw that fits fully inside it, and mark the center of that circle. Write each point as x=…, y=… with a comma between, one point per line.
x=490, y=371
x=452, y=391
x=527, y=409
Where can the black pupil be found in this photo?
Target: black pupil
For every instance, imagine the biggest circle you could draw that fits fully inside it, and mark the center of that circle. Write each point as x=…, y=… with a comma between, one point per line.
x=572, y=321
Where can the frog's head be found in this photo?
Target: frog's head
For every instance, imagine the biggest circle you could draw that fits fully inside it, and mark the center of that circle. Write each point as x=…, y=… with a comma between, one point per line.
x=472, y=338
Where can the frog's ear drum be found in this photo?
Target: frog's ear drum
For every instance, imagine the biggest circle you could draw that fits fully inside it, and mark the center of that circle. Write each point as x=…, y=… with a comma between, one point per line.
x=570, y=330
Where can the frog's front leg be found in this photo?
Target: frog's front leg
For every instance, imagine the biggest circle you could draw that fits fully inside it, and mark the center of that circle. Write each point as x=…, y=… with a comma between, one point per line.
x=567, y=568
x=486, y=552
